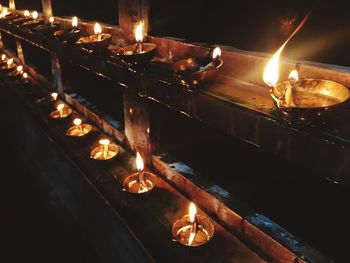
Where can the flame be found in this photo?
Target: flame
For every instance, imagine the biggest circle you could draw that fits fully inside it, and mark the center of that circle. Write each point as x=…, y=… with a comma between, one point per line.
x=19, y=68
x=216, y=53
x=139, y=162
x=293, y=75
x=139, y=32
x=271, y=72
x=35, y=14
x=104, y=142
x=26, y=13
x=9, y=61
x=52, y=19
x=193, y=212
x=25, y=75
x=3, y=57
x=97, y=29
x=0, y=6
x=54, y=95
x=74, y=21
x=60, y=106
x=77, y=121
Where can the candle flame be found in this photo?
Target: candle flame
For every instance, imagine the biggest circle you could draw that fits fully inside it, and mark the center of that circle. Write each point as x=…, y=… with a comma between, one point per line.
x=104, y=142
x=271, y=72
x=26, y=13
x=193, y=212
x=60, y=106
x=54, y=95
x=139, y=32
x=19, y=68
x=25, y=75
x=9, y=61
x=293, y=75
x=35, y=14
x=77, y=121
x=139, y=162
x=97, y=29
x=51, y=19
x=3, y=57
x=216, y=53
x=74, y=21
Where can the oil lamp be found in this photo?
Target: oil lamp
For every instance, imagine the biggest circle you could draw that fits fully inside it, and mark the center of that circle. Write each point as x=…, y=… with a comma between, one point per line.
x=199, y=70
x=8, y=67
x=140, y=182
x=98, y=41
x=79, y=129
x=105, y=151
x=61, y=112
x=17, y=72
x=140, y=52
x=26, y=13
x=70, y=35
x=302, y=100
x=193, y=229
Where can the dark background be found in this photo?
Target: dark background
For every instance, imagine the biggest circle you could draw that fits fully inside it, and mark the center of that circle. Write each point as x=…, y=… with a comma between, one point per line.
x=249, y=25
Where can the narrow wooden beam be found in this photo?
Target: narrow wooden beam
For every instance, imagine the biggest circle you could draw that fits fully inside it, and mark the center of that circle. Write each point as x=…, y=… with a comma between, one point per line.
x=12, y=5
x=47, y=9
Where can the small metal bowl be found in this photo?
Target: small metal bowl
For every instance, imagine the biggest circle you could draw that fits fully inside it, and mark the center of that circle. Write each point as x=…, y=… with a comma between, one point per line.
x=128, y=53
x=312, y=98
x=192, y=70
x=75, y=131
x=131, y=184
x=70, y=36
x=95, y=42
x=47, y=28
x=65, y=113
x=97, y=152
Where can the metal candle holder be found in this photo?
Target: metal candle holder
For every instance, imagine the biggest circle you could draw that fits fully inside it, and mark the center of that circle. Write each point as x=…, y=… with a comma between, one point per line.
x=193, y=234
x=61, y=113
x=95, y=42
x=105, y=151
x=79, y=129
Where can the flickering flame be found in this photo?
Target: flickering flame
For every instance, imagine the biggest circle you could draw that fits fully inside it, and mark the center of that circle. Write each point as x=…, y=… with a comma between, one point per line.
x=0, y=6
x=139, y=32
x=97, y=29
x=35, y=14
x=51, y=19
x=9, y=61
x=193, y=212
x=293, y=75
x=216, y=53
x=19, y=68
x=139, y=162
x=3, y=57
x=77, y=121
x=54, y=95
x=271, y=72
x=26, y=13
x=25, y=75
x=60, y=106
x=74, y=21
x=104, y=142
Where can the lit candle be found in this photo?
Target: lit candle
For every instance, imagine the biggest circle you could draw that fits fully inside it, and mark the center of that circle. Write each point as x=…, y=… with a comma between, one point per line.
x=26, y=13
x=98, y=31
x=139, y=37
x=54, y=96
x=51, y=20
x=105, y=143
x=215, y=59
x=3, y=57
x=77, y=123
x=194, y=224
x=9, y=62
x=140, y=167
x=60, y=108
x=19, y=69
x=25, y=75
x=74, y=21
x=35, y=14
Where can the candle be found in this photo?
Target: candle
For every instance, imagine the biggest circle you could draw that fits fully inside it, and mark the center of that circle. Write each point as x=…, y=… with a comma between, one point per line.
x=26, y=13
x=54, y=96
x=140, y=167
x=9, y=62
x=3, y=57
x=60, y=108
x=98, y=31
x=215, y=59
x=25, y=75
x=105, y=143
x=74, y=21
x=194, y=224
x=35, y=14
x=19, y=69
x=77, y=123
x=139, y=37
x=51, y=20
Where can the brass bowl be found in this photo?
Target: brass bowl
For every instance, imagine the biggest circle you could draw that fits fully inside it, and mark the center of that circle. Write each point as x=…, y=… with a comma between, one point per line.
x=192, y=70
x=47, y=28
x=97, y=152
x=128, y=53
x=131, y=183
x=65, y=113
x=95, y=42
x=310, y=98
x=69, y=36
x=75, y=131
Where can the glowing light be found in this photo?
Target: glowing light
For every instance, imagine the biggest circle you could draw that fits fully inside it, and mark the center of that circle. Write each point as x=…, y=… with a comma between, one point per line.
x=104, y=142
x=3, y=57
x=25, y=75
x=9, y=61
x=77, y=121
x=19, y=68
x=139, y=32
x=60, y=106
x=293, y=75
x=26, y=13
x=35, y=14
x=51, y=19
x=54, y=95
x=74, y=21
x=216, y=53
x=139, y=162
x=97, y=29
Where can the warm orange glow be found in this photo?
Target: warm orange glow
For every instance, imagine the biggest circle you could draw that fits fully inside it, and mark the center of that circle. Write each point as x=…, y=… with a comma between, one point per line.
x=77, y=121
x=74, y=21
x=216, y=53
x=52, y=19
x=97, y=29
x=26, y=13
x=293, y=75
x=19, y=68
x=139, y=32
x=104, y=142
x=139, y=162
x=192, y=212
x=54, y=95
x=25, y=75
x=3, y=57
x=35, y=14
x=9, y=61
x=271, y=72
x=60, y=106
